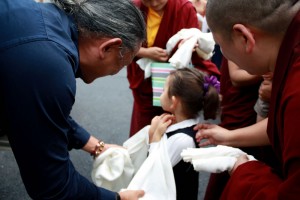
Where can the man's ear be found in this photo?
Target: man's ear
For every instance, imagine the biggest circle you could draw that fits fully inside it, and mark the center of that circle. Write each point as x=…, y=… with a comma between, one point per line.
x=105, y=45
x=244, y=35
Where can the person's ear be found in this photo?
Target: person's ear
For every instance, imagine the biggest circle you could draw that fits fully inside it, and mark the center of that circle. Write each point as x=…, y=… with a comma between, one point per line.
x=174, y=102
x=106, y=45
x=244, y=35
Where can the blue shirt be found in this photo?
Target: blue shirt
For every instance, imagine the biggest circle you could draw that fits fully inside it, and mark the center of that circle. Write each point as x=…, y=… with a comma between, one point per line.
x=38, y=64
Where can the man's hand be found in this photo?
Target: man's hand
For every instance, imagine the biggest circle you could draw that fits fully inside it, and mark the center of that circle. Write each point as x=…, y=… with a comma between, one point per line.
x=213, y=134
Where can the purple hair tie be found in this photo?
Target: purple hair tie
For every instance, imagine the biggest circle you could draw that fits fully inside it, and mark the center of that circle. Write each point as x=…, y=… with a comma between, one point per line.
x=211, y=81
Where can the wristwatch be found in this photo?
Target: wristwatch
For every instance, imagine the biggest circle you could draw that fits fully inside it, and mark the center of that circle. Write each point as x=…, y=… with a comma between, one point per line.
x=118, y=196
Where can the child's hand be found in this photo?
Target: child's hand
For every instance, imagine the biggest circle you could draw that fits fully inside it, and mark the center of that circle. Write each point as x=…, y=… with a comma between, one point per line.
x=153, y=126
x=159, y=125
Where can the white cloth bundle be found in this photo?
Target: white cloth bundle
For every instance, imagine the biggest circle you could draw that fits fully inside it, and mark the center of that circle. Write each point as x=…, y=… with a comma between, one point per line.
x=114, y=168
x=155, y=176
x=137, y=147
x=145, y=64
x=213, y=159
x=127, y=169
x=182, y=57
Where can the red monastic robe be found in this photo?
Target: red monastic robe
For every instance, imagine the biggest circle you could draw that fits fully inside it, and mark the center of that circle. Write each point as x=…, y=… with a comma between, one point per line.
x=237, y=102
x=237, y=112
x=255, y=180
x=178, y=14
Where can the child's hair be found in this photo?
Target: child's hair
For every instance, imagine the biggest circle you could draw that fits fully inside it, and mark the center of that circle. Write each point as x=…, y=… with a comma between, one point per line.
x=188, y=84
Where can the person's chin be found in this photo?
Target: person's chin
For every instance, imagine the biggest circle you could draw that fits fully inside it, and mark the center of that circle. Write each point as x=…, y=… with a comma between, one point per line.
x=87, y=80
x=115, y=72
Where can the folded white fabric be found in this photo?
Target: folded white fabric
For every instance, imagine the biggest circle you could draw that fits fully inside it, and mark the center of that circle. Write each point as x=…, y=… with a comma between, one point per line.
x=145, y=64
x=155, y=176
x=114, y=168
x=137, y=147
x=130, y=169
x=213, y=159
x=182, y=56
x=206, y=45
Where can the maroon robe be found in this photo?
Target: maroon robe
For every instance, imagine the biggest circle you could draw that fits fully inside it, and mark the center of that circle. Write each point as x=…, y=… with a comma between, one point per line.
x=237, y=112
x=178, y=14
x=255, y=180
x=237, y=102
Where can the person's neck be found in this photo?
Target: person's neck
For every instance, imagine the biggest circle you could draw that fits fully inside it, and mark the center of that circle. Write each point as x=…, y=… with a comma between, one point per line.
x=179, y=117
x=274, y=50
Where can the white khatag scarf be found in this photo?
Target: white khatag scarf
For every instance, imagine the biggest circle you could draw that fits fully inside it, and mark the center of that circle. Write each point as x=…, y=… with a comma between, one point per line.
x=213, y=159
x=182, y=57
x=120, y=169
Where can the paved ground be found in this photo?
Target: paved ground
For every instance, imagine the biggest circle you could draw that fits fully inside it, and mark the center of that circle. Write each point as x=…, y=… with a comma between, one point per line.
x=104, y=109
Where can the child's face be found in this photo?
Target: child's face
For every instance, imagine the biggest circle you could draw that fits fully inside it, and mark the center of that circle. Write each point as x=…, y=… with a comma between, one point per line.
x=165, y=100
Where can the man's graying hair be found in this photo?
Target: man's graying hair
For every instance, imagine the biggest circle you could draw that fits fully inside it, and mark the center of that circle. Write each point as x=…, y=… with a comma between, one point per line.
x=270, y=16
x=107, y=18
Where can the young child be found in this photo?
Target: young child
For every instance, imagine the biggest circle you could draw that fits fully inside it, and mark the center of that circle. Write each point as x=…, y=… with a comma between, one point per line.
x=187, y=92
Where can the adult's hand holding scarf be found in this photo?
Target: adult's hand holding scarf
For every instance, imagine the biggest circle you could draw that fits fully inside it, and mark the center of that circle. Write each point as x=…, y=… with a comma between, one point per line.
x=182, y=57
x=193, y=36
x=114, y=168
x=120, y=169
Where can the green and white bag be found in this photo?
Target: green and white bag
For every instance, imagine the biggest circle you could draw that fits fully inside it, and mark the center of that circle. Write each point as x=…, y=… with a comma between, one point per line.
x=159, y=73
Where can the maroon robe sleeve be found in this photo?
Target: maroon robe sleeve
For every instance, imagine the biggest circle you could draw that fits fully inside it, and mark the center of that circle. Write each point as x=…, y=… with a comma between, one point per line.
x=237, y=102
x=254, y=180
